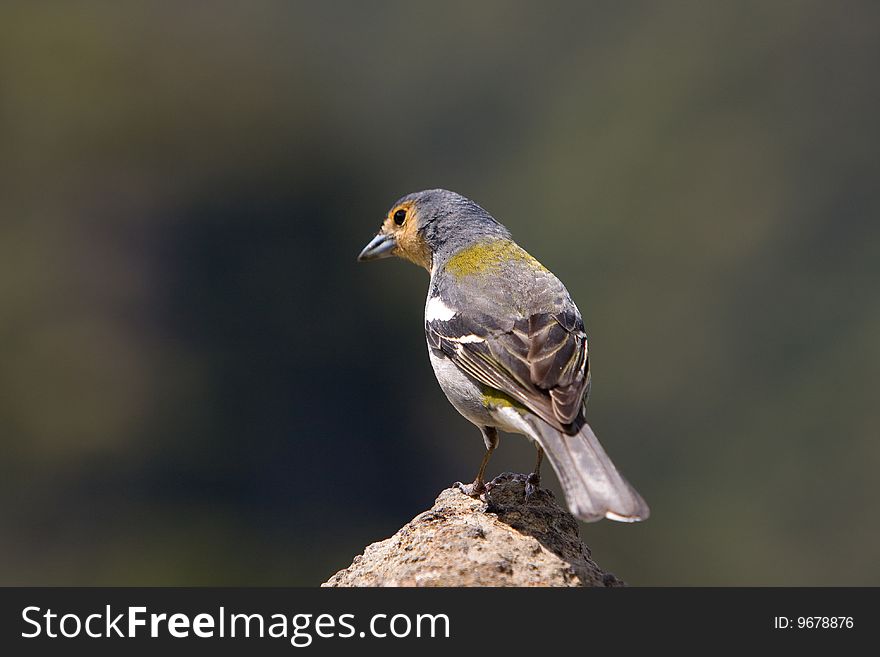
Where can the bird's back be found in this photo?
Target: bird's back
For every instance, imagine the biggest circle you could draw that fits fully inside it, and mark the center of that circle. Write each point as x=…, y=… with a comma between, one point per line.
x=498, y=278
x=508, y=322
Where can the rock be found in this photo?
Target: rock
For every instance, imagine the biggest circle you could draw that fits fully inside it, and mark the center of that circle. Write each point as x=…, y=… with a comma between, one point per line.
x=502, y=539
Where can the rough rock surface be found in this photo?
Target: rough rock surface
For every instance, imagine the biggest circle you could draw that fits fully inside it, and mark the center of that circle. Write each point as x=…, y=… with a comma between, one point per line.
x=502, y=539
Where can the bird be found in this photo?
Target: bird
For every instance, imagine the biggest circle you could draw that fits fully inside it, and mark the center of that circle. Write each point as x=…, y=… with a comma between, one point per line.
x=508, y=346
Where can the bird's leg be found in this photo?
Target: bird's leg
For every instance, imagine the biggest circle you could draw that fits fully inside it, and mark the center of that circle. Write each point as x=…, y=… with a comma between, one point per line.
x=534, y=480
x=478, y=487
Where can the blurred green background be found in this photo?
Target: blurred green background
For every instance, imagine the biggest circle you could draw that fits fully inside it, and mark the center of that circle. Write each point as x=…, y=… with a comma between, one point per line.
x=199, y=384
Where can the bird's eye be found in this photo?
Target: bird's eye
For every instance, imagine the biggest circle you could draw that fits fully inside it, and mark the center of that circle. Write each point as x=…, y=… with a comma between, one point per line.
x=400, y=217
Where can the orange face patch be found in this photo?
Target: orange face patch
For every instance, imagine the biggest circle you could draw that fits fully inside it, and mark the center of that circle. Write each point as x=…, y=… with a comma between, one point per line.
x=403, y=223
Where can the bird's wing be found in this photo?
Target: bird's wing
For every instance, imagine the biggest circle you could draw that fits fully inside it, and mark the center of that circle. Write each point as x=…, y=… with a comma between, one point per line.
x=541, y=360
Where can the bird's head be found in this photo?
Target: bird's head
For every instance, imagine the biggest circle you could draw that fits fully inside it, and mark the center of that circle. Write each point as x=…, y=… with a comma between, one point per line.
x=422, y=225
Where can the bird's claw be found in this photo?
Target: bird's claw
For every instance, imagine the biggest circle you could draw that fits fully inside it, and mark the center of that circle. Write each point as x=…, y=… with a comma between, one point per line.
x=533, y=483
x=474, y=489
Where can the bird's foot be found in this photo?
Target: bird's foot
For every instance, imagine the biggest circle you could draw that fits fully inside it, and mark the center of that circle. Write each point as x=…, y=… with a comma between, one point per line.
x=475, y=489
x=533, y=483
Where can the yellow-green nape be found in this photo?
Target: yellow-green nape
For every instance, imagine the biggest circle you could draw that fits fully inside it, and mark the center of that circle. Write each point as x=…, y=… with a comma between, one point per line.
x=492, y=398
x=485, y=257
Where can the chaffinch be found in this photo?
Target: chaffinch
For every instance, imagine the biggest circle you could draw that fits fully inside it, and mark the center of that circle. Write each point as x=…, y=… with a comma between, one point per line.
x=507, y=345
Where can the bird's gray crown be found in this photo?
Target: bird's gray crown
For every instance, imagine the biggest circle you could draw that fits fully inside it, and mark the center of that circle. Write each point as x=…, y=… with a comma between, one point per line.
x=450, y=221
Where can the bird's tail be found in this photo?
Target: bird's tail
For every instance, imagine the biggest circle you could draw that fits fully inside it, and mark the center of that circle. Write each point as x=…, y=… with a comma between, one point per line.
x=594, y=489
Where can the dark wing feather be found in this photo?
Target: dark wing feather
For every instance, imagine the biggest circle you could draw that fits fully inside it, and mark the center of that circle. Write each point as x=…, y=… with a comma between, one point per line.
x=540, y=361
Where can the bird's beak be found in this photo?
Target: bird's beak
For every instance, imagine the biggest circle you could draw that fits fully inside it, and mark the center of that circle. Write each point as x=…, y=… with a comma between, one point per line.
x=379, y=247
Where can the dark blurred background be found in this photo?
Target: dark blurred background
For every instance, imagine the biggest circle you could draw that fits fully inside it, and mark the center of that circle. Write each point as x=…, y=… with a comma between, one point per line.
x=199, y=384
